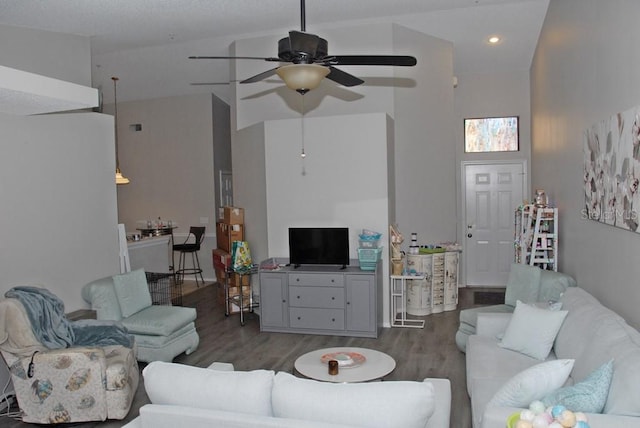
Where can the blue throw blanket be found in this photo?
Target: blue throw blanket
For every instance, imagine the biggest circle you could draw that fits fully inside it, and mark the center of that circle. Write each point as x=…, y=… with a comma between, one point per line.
x=50, y=326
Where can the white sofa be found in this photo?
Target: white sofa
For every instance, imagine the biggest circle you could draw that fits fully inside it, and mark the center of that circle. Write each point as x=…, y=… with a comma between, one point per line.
x=196, y=397
x=590, y=336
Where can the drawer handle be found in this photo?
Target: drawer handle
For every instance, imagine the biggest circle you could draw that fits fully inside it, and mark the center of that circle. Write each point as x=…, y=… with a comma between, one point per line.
x=333, y=320
x=284, y=301
x=333, y=280
x=298, y=318
x=333, y=298
x=298, y=279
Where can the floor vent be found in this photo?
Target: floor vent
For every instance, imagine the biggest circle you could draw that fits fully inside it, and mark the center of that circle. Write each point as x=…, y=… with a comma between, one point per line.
x=488, y=297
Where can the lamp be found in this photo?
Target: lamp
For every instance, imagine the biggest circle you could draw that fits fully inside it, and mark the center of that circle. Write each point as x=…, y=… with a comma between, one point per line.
x=302, y=77
x=120, y=179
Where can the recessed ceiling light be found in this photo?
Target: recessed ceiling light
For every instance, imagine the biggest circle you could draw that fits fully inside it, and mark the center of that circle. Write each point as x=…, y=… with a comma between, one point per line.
x=494, y=40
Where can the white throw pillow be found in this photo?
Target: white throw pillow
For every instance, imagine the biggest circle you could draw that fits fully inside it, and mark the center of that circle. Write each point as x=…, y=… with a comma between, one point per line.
x=182, y=385
x=532, y=384
x=394, y=404
x=532, y=330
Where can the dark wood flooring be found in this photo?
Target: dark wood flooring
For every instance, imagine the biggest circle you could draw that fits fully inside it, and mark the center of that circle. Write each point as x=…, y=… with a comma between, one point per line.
x=419, y=353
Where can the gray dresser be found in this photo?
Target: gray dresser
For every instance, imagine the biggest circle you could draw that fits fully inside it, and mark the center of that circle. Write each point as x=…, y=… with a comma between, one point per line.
x=321, y=300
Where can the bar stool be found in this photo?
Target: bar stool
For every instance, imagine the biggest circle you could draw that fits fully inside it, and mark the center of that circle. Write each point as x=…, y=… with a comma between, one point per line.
x=190, y=246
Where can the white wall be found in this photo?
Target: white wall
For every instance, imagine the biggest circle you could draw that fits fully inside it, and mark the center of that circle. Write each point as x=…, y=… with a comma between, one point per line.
x=585, y=70
x=58, y=203
x=170, y=163
x=424, y=192
x=345, y=181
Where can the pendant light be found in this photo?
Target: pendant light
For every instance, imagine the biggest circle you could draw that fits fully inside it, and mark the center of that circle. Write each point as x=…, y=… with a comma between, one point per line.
x=120, y=179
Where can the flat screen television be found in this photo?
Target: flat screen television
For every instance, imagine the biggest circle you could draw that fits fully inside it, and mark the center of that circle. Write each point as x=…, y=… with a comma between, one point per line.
x=319, y=246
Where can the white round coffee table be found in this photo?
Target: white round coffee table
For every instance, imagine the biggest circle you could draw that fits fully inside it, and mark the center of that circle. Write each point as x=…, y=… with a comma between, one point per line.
x=367, y=364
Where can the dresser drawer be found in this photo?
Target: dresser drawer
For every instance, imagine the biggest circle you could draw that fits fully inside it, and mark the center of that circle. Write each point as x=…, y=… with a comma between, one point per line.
x=316, y=318
x=316, y=279
x=316, y=297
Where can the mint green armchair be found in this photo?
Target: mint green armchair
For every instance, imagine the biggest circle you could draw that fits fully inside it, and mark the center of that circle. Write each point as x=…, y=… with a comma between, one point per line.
x=161, y=332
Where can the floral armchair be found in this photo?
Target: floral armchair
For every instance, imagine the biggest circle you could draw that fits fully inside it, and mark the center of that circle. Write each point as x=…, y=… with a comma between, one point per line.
x=75, y=383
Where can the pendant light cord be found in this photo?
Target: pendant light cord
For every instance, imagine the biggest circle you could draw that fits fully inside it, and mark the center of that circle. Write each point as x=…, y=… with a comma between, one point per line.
x=303, y=155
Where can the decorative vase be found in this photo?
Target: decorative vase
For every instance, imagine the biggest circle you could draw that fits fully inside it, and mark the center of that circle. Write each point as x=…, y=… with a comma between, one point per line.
x=541, y=198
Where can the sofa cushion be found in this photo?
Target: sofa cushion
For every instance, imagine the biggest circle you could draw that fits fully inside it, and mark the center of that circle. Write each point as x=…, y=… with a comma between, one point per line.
x=532, y=384
x=402, y=404
x=588, y=396
x=532, y=330
x=132, y=291
x=159, y=320
x=181, y=385
x=553, y=284
x=523, y=284
x=162, y=416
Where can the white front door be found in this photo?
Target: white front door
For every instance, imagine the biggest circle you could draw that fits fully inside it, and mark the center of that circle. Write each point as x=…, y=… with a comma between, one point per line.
x=492, y=193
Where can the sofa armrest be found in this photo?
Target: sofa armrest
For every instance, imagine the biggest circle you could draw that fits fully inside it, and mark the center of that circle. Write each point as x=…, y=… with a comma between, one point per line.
x=442, y=414
x=492, y=324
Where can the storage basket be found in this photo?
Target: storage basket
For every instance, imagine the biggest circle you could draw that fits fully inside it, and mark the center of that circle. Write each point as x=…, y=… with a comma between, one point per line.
x=368, y=257
x=369, y=243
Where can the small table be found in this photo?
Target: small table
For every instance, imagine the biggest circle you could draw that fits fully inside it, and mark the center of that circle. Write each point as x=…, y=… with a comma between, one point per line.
x=398, y=289
x=376, y=365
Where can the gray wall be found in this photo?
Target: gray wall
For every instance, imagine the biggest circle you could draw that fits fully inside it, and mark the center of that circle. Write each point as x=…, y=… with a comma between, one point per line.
x=58, y=210
x=58, y=203
x=585, y=70
x=489, y=95
x=170, y=163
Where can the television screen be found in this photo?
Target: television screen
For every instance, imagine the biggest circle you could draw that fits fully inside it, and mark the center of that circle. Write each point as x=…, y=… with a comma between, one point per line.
x=319, y=246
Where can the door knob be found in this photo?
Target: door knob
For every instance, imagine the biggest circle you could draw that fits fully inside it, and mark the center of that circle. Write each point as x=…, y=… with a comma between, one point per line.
x=469, y=235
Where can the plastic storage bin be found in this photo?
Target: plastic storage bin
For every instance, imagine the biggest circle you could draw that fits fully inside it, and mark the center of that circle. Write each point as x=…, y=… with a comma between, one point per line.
x=369, y=243
x=368, y=257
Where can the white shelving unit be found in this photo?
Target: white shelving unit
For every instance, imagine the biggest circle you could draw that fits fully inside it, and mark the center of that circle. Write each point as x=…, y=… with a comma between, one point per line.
x=398, y=288
x=536, y=236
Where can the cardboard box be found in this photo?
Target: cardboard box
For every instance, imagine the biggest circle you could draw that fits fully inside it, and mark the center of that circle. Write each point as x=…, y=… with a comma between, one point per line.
x=220, y=258
x=227, y=233
x=221, y=275
x=232, y=215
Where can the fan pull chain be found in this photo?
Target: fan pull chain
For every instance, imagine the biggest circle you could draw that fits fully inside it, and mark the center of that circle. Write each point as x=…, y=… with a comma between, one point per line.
x=303, y=155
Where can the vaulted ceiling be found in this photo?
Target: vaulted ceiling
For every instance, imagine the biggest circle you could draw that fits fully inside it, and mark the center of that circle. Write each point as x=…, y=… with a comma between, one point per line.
x=146, y=25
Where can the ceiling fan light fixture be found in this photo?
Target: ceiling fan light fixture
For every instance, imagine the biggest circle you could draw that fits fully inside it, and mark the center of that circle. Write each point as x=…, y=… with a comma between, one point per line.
x=302, y=77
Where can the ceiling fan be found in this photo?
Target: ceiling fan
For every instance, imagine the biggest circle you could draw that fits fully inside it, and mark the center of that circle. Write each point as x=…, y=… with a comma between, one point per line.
x=310, y=61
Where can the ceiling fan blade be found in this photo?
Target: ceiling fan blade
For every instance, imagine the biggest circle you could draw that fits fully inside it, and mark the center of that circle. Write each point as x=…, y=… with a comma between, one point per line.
x=396, y=60
x=260, y=76
x=343, y=78
x=270, y=59
x=304, y=42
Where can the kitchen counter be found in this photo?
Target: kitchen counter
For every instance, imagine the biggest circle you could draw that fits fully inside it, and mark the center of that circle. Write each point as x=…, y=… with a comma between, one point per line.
x=153, y=254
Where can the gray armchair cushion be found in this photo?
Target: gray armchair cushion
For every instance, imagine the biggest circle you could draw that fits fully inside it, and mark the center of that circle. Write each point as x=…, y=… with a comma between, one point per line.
x=159, y=320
